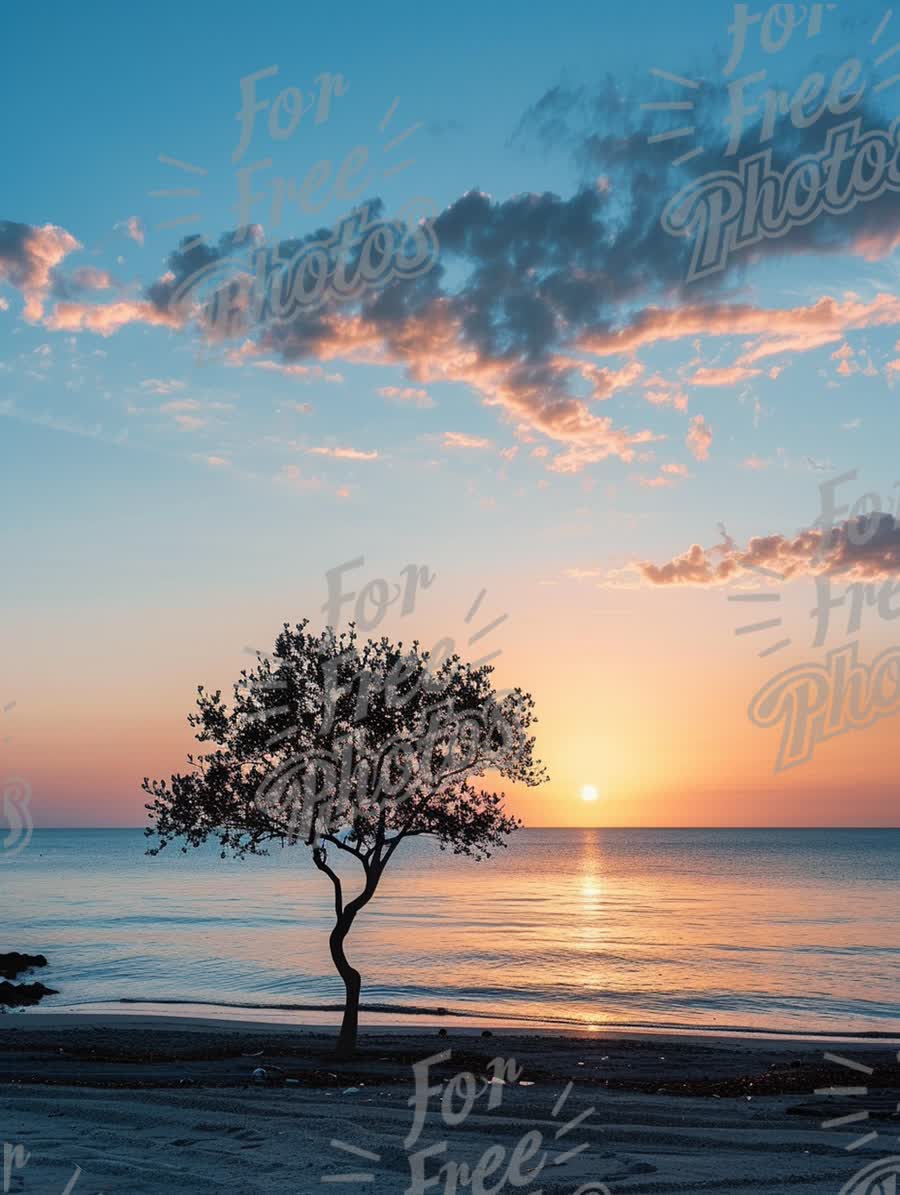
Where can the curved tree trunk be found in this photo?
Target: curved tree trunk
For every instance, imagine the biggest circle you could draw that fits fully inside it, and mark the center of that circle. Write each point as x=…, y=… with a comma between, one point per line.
x=345, y=915
x=346, y=1046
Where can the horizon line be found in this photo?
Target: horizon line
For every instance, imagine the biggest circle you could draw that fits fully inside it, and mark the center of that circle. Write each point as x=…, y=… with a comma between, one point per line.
x=732, y=827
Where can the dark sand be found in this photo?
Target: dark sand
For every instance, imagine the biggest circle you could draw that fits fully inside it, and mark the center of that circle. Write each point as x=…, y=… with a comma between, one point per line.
x=154, y=1104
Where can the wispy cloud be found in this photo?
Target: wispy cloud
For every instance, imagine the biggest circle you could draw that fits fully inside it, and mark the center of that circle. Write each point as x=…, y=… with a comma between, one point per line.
x=699, y=438
x=345, y=454
x=462, y=440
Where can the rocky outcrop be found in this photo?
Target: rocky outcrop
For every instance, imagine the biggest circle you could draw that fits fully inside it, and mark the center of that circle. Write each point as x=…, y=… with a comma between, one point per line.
x=21, y=995
x=13, y=964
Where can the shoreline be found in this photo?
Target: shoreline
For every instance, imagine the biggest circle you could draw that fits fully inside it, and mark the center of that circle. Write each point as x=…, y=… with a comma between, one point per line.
x=422, y=1020
x=108, y=1015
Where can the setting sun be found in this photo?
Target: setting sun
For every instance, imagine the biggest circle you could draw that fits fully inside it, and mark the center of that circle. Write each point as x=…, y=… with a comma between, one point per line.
x=589, y=792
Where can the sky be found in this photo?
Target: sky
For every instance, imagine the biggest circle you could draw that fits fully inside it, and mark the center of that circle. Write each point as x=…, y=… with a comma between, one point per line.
x=558, y=395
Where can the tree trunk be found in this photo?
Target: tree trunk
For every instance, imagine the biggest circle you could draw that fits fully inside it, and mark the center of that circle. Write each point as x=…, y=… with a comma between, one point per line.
x=345, y=915
x=346, y=1046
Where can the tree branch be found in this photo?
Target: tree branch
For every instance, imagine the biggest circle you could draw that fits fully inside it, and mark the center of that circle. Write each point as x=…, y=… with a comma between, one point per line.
x=320, y=860
x=351, y=850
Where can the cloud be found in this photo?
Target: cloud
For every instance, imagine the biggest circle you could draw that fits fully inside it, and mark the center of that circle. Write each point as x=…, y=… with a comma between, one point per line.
x=190, y=423
x=79, y=282
x=613, y=137
x=132, y=228
x=28, y=257
x=107, y=319
x=755, y=464
x=667, y=476
x=787, y=330
x=413, y=395
x=866, y=548
x=728, y=376
x=529, y=286
x=308, y=373
x=461, y=440
x=661, y=392
x=181, y=404
x=699, y=438
x=345, y=454
x=162, y=385
x=606, y=382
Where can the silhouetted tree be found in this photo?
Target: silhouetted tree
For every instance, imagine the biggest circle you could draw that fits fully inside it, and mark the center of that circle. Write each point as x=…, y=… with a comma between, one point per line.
x=349, y=746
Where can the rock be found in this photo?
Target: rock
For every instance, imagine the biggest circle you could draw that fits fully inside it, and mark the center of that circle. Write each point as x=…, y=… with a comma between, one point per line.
x=486, y=1033
x=21, y=995
x=13, y=963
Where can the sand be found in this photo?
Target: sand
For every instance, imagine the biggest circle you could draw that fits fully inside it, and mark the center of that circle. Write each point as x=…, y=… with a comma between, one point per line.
x=154, y=1104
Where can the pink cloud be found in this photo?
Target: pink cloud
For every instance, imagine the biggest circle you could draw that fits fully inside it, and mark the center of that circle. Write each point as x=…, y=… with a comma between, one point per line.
x=309, y=373
x=29, y=266
x=661, y=392
x=107, y=319
x=461, y=440
x=699, y=438
x=828, y=318
x=730, y=375
x=604, y=382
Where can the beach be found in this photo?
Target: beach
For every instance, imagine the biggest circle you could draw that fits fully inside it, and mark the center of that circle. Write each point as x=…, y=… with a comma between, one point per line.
x=151, y=1104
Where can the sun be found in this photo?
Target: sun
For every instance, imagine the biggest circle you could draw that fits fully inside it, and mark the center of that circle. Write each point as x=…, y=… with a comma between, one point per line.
x=589, y=792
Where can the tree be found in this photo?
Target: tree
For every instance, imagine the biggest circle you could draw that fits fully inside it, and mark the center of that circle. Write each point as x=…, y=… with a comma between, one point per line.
x=349, y=746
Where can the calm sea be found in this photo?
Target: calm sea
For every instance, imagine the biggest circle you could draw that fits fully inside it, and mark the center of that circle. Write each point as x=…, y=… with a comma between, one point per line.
x=762, y=929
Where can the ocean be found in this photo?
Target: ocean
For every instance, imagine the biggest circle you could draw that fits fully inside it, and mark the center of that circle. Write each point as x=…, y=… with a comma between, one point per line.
x=765, y=930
